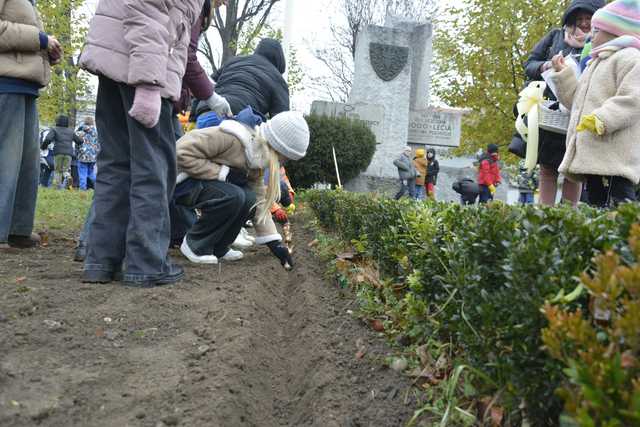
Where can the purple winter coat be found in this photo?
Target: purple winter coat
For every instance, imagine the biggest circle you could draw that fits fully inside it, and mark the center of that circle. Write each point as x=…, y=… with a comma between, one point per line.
x=141, y=42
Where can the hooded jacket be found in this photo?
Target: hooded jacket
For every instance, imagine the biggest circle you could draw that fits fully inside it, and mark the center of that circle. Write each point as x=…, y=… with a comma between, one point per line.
x=552, y=145
x=489, y=171
x=23, y=59
x=420, y=163
x=433, y=168
x=406, y=168
x=255, y=80
x=62, y=137
x=141, y=42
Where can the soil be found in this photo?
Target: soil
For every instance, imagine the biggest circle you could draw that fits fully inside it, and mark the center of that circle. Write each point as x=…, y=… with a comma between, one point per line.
x=247, y=345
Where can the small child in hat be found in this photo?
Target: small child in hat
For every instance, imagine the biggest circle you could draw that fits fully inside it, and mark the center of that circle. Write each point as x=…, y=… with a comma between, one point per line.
x=226, y=165
x=602, y=139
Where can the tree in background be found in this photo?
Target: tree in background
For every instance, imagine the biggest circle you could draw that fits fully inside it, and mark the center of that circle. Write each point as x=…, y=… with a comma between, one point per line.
x=338, y=58
x=68, y=86
x=480, y=50
x=238, y=25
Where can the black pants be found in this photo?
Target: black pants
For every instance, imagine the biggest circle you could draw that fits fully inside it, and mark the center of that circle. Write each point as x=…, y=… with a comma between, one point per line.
x=225, y=208
x=136, y=179
x=609, y=191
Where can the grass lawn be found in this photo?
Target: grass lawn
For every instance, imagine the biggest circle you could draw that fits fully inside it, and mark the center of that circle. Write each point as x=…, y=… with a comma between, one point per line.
x=62, y=211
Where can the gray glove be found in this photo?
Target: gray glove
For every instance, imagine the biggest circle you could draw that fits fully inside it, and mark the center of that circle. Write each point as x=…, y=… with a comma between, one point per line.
x=219, y=105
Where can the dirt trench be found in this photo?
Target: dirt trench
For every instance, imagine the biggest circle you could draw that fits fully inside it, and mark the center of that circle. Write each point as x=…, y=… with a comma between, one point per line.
x=246, y=345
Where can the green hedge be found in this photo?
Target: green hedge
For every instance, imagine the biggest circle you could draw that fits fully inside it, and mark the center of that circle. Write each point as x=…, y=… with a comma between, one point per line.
x=355, y=145
x=480, y=276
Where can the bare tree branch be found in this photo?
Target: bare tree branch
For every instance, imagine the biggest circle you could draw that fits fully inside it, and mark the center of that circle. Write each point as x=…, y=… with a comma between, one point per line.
x=358, y=14
x=238, y=14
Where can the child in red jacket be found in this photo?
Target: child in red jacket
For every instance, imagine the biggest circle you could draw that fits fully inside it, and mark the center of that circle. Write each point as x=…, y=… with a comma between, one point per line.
x=489, y=173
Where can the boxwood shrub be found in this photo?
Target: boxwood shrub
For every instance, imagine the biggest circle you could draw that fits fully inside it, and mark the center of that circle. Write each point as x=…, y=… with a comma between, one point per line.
x=355, y=145
x=485, y=274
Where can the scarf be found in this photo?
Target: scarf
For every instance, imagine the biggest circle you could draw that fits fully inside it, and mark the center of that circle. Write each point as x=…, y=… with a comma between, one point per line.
x=615, y=45
x=575, y=37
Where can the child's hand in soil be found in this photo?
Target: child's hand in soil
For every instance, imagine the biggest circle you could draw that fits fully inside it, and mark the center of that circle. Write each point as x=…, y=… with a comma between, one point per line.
x=282, y=253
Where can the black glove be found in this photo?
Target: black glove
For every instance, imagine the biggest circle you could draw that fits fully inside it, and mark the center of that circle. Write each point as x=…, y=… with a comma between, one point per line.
x=281, y=252
x=237, y=176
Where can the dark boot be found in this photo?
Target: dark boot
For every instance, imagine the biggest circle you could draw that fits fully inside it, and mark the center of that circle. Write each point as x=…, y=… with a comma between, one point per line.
x=24, y=242
x=81, y=252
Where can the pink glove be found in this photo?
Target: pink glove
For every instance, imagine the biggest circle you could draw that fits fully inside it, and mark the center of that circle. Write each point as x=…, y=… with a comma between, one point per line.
x=146, y=105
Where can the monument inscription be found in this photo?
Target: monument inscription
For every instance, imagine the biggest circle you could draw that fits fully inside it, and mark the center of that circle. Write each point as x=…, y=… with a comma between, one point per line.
x=370, y=115
x=433, y=127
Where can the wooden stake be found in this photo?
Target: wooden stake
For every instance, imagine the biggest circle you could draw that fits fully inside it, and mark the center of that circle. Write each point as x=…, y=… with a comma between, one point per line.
x=335, y=162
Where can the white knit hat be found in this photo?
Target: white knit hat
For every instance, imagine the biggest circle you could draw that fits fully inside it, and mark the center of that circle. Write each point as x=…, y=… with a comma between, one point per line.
x=288, y=134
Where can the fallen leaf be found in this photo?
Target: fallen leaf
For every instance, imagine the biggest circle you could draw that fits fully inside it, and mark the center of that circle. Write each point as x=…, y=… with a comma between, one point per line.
x=628, y=361
x=21, y=279
x=313, y=243
x=99, y=332
x=360, y=354
x=497, y=415
x=423, y=354
x=442, y=363
x=377, y=325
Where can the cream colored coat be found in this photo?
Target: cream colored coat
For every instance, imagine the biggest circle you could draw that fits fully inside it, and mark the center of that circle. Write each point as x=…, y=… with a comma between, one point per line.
x=20, y=53
x=610, y=89
x=207, y=154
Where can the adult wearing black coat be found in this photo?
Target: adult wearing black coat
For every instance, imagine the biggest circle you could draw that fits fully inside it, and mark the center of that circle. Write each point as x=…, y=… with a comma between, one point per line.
x=568, y=40
x=63, y=138
x=254, y=80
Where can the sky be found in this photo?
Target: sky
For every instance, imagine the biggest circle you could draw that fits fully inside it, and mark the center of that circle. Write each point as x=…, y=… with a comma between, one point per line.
x=311, y=29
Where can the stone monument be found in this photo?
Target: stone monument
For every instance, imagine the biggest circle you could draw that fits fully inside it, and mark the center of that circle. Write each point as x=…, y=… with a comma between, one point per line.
x=391, y=94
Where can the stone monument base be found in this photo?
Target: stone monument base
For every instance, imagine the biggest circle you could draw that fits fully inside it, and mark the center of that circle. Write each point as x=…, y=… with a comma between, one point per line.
x=451, y=170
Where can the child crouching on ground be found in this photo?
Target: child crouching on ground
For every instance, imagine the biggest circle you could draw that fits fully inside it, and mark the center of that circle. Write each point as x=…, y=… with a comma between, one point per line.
x=223, y=169
x=603, y=137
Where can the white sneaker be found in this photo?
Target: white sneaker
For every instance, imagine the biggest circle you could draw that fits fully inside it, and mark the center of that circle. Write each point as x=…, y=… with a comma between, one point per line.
x=241, y=243
x=197, y=259
x=244, y=233
x=232, y=255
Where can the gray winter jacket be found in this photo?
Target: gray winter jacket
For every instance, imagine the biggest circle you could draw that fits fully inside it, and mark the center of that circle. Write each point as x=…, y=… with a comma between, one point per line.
x=406, y=168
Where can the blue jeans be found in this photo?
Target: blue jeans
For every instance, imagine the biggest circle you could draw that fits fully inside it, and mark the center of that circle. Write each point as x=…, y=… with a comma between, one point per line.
x=407, y=187
x=19, y=164
x=421, y=192
x=136, y=178
x=225, y=208
x=525, y=198
x=84, y=234
x=485, y=194
x=86, y=170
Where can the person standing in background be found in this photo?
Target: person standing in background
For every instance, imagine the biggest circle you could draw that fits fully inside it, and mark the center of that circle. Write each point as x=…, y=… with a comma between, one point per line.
x=420, y=163
x=407, y=174
x=489, y=173
x=87, y=152
x=62, y=137
x=433, y=169
x=26, y=53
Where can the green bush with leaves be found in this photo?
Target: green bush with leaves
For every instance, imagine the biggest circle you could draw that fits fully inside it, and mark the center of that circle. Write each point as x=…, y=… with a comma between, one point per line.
x=601, y=348
x=354, y=143
x=478, y=277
